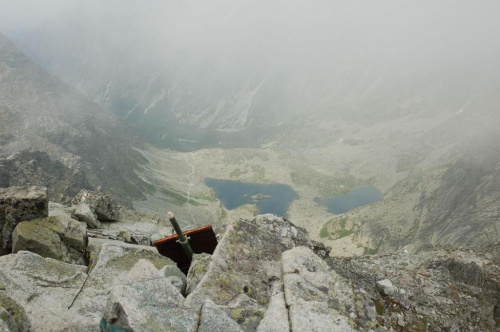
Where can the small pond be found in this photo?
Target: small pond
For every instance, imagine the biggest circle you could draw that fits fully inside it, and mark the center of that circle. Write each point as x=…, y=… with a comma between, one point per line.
x=269, y=198
x=362, y=195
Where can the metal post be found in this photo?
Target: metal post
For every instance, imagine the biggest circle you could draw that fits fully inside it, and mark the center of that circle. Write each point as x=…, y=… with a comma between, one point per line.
x=183, y=240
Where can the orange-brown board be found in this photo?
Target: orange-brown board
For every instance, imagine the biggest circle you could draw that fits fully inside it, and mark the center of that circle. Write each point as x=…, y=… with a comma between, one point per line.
x=202, y=239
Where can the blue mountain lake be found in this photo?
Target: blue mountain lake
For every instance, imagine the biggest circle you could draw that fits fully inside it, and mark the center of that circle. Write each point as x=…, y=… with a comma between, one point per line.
x=269, y=198
x=362, y=195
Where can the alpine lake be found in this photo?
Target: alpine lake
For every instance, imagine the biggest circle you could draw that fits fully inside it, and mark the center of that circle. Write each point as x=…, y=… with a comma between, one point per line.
x=276, y=198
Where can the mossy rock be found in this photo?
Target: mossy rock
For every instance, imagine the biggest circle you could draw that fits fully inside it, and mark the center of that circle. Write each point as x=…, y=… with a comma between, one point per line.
x=37, y=238
x=57, y=237
x=13, y=314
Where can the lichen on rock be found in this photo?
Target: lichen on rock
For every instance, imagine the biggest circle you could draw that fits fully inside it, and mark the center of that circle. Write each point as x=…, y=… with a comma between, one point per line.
x=58, y=237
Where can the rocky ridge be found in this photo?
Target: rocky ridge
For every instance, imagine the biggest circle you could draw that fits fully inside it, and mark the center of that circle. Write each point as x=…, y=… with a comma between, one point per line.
x=265, y=275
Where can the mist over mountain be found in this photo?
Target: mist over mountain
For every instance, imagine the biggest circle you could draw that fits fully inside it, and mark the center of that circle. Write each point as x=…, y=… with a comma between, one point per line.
x=52, y=136
x=373, y=126
x=197, y=74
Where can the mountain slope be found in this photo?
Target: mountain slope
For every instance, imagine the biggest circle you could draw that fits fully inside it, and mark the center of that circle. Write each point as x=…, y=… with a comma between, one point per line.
x=454, y=204
x=50, y=135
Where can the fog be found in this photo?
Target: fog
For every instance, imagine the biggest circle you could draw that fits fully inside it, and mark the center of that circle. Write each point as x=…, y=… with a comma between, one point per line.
x=230, y=65
x=370, y=30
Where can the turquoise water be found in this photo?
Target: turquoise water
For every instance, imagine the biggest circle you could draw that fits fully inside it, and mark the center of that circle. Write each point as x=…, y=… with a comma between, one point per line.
x=362, y=195
x=274, y=198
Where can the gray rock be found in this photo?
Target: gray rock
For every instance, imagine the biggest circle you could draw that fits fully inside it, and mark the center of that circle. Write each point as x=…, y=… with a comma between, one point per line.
x=141, y=239
x=386, y=287
x=214, y=319
x=197, y=270
x=12, y=316
x=100, y=204
x=44, y=287
x=317, y=317
x=135, y=227
x=134, y=238
x=93, y=248
x=431, y=294
x=175, y=276
x=160, y=235
x=276, y=317
x=110, y=267
x=56, y=209
x=59, y=237
x=147, y=301
x=83, y=213
x=247, y=261
x=19, y=204
x=319, y=299
x=7, y=323
x=246, y=311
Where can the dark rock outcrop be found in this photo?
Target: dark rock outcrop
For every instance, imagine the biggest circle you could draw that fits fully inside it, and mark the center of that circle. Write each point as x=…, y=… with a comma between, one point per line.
x=17, y=205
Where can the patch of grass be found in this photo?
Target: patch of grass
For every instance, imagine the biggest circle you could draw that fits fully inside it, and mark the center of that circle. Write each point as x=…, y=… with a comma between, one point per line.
x=173, y=197
x=369, y=251
x=340, y=233
x=194, y=202
x=379, y=307
x=343, y=222
x=343, y=233
x=206, y=198
x=324, y=232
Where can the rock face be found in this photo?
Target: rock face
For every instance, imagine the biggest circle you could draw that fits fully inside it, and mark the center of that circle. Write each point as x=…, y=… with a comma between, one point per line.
x=276, y=317
x=61, y=238
x=147, y=301
x=44, y=287
x=100, y=204
x=244, y=266
x=214, y=319
x=110, y=267
x=197, y=270
x=318, y=299
x=17, y=205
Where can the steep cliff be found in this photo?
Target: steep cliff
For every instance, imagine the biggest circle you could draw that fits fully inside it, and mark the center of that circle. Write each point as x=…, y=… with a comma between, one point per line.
x=52, y=136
